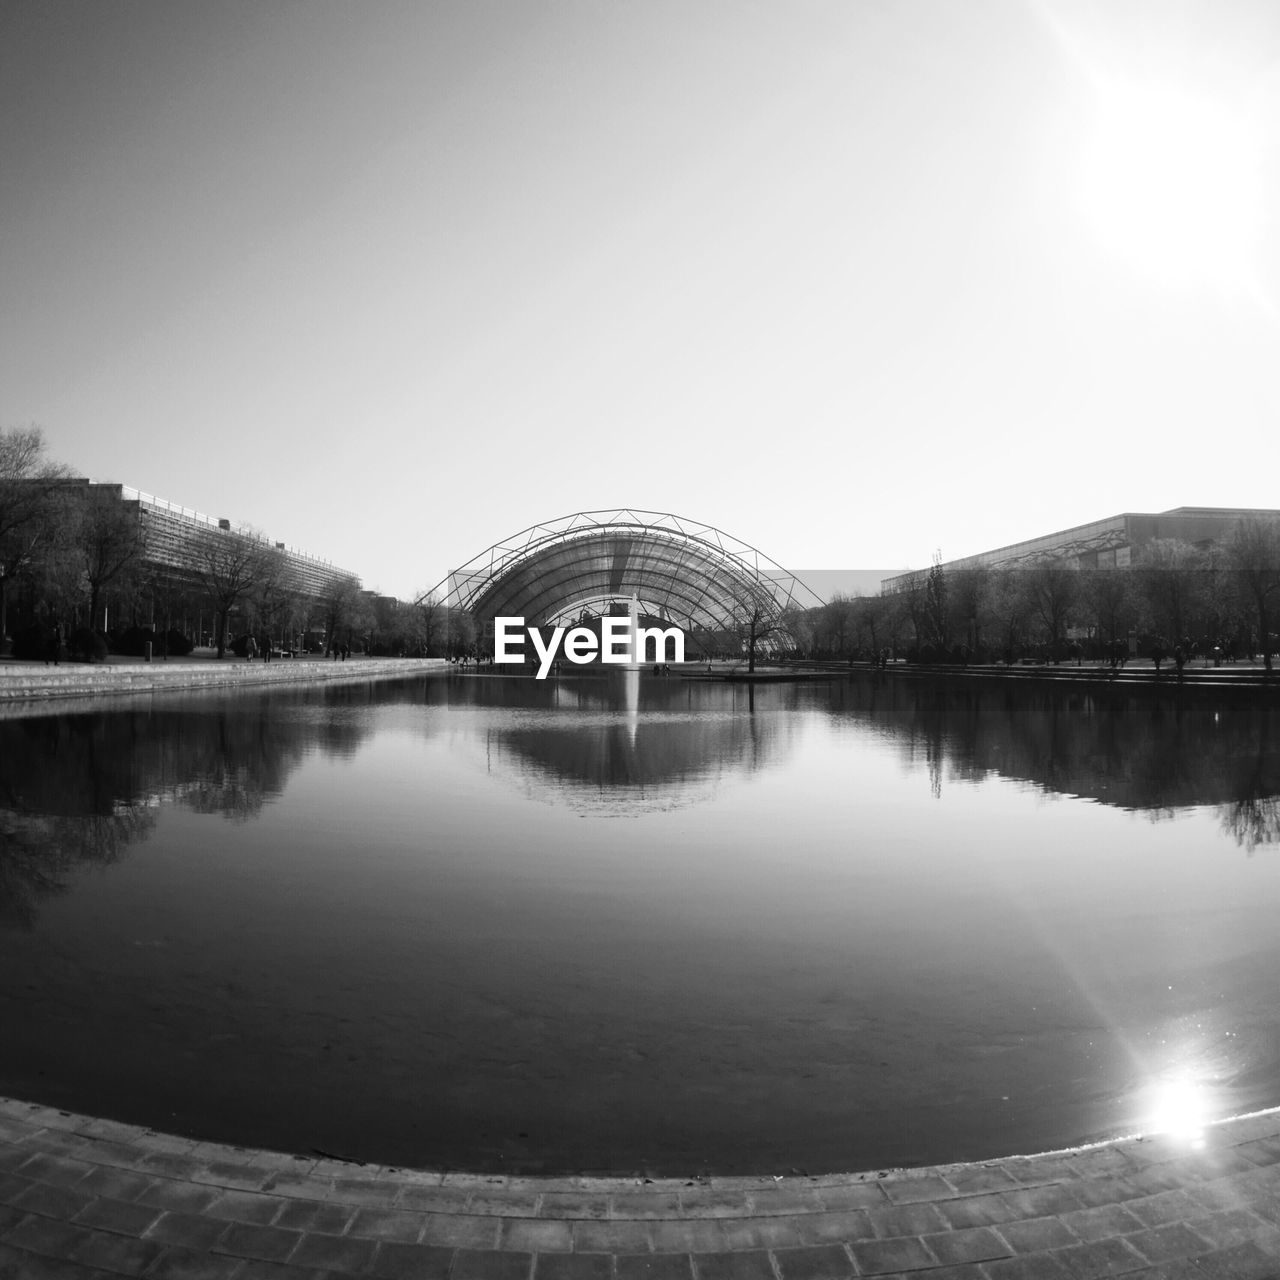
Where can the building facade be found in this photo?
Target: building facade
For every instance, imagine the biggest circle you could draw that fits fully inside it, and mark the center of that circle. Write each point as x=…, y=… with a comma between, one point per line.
x=116, y=558
x=172, y=533
x=1117, y=542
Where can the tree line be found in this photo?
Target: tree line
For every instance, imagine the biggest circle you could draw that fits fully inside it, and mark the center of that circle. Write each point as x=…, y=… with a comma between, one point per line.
x=1225, y=596
x=82, y=567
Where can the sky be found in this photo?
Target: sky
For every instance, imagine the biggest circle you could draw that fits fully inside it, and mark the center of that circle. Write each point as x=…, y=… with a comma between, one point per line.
x=855, y=281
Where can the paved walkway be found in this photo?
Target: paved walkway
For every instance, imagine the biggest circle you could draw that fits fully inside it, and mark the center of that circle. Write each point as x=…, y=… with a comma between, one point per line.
x=84, y=1199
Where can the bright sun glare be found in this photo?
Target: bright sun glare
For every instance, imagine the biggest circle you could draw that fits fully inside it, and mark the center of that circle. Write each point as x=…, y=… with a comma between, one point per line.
x=1171, y=184
x=1178, y=1109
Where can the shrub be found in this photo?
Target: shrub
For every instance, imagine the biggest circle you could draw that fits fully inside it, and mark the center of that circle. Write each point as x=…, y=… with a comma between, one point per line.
x=87, y=646
x=134, y=641
x=176, y=644
x=31, y=642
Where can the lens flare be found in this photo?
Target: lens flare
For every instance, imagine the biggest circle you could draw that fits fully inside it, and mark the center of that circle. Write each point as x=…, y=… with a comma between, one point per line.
x=1178, y=1109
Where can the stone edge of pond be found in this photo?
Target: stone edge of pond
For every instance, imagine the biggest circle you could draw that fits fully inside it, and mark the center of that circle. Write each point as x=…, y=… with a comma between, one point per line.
x=84, y=1198
x=24, y=688
x=1242, y=678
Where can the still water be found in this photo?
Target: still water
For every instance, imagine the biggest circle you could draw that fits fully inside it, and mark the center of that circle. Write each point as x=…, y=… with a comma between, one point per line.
x=621, y=924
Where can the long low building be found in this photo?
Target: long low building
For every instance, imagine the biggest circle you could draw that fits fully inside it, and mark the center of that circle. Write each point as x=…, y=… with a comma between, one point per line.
x=171, y=530
x=172, y=534
x=1114, y=543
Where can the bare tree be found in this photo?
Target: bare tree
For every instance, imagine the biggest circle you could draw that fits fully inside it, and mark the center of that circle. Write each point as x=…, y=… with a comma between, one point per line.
x=833, y=623
x=1052, y=590
x=880, y=618
x=341, y=606
x=1173, y=582
x=460, y=632
x=1108, y=595
x=935, y=603
x=1253, y=552
x=108, y=540
x=967, y=591
x=1010, y=606
x=271, y=598
x=429, y=622
x=229, y=566
x=28, y=487
x=385, y=618
x=168, y=595
x=755, y=617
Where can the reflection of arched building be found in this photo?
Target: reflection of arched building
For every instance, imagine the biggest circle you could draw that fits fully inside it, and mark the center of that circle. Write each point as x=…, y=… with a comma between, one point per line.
x=623, y=743
x=680, y=571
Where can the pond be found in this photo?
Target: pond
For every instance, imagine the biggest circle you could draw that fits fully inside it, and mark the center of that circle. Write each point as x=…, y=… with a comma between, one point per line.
x=620, y=923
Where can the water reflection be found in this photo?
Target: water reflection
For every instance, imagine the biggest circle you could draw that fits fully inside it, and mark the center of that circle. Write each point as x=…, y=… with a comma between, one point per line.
x=39, y=853
x=1156, y=754
x=78, y=789
x=788, y=954
x=1253, y=821
x=622, y=742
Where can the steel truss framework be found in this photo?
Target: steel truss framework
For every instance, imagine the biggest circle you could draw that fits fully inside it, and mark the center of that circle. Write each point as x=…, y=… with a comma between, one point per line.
x=689, y=573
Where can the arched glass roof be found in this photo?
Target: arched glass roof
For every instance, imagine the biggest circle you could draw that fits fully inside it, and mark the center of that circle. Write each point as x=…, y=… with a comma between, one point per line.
x=692, y=574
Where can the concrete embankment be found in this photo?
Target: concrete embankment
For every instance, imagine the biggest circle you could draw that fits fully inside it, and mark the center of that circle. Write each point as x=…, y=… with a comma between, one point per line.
x=1240, y=677
x=1243, y=679
x=25, y=684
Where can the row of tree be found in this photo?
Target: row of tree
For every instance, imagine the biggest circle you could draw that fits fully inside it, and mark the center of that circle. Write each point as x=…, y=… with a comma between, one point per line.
x=77, y=561
x=1226, y=595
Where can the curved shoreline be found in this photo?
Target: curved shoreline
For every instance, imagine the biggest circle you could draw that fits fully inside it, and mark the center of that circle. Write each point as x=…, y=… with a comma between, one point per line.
x=86, y=1198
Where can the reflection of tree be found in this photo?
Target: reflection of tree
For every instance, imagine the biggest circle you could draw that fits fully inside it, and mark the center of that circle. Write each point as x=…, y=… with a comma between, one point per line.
x=1136, y=749
x=78, y=789
x=226, y=759
x=237, y=789
x=1252, y=821
x=39, y=853
x=1252, y=818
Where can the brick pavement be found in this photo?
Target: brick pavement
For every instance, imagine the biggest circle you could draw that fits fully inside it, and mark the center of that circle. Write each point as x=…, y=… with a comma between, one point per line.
x=86, y=1199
